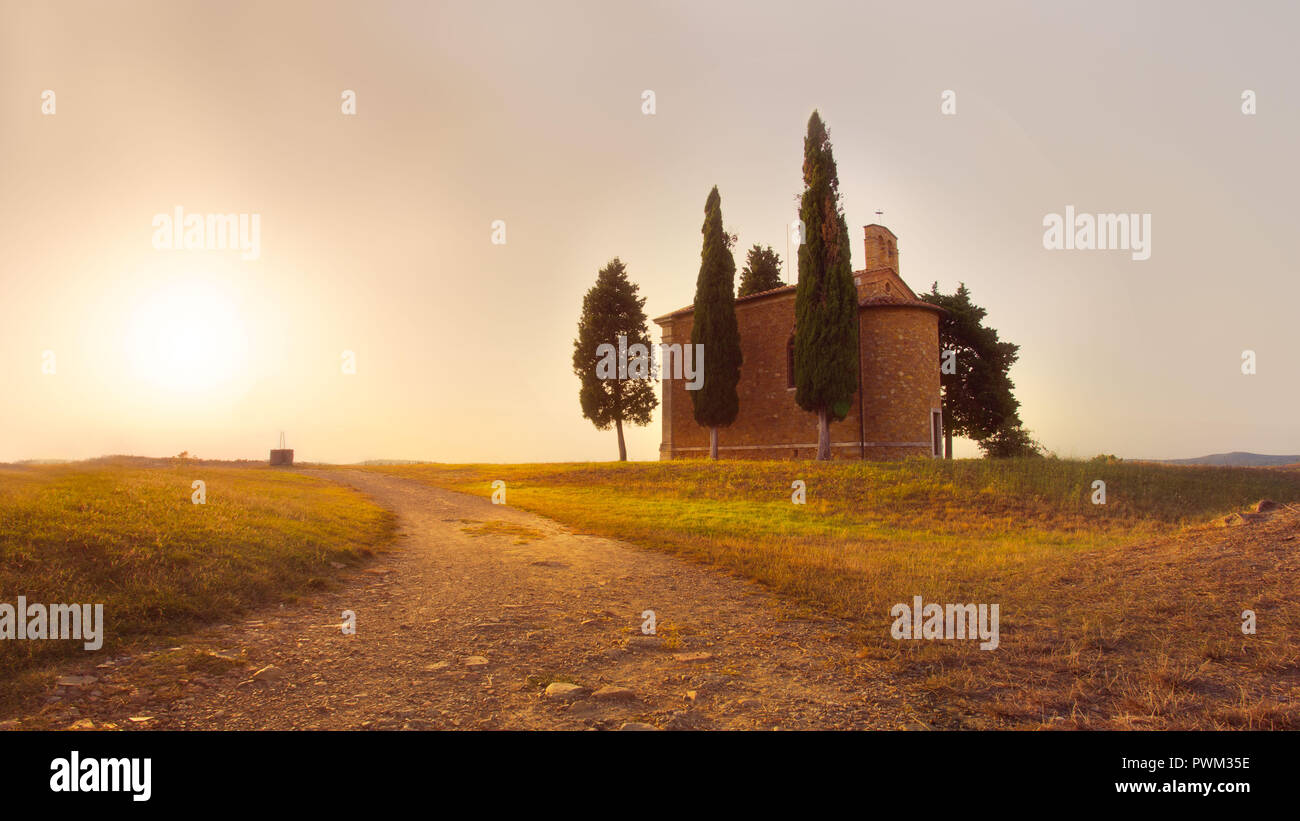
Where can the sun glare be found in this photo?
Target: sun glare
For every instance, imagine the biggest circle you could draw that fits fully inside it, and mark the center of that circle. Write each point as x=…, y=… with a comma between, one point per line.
x=187, y=337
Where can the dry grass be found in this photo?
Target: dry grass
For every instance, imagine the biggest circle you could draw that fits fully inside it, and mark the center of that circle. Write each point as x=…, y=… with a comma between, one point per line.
x=130, y=538
x=1123, y=615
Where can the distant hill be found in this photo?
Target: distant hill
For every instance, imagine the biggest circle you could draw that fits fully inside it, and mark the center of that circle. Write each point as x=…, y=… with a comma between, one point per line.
x=1237, y=458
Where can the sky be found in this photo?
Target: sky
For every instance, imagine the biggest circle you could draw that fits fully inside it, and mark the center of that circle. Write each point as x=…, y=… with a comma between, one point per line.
x=376, y=228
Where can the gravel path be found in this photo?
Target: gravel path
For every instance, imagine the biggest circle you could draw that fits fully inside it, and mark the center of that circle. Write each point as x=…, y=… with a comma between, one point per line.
x=484, y=616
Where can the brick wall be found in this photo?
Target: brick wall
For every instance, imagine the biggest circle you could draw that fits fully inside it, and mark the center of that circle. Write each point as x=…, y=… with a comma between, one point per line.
x=900, y=358
x=770, y=425
x=900, y=379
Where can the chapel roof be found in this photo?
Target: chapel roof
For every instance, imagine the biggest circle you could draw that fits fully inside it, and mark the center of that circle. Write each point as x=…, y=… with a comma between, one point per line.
x=747, y=298
x=877, y=301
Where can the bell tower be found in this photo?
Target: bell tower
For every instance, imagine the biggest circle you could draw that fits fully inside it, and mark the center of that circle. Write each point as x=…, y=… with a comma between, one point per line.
x=881, y=247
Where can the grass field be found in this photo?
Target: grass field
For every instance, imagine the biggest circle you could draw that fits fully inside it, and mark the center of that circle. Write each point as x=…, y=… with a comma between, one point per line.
x=1122, y=615
x=130, y=537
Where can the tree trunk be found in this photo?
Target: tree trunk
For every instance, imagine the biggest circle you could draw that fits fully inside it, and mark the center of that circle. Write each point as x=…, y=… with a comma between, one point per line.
x=947, y=443
x=824, y=435
x=713, y=444
x=622, y=446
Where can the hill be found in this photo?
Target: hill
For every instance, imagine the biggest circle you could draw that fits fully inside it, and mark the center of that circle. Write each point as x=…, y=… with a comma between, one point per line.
x=1236, y=458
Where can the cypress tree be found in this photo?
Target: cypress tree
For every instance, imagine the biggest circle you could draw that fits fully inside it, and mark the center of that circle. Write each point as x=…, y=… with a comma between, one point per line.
x=610, y=395
x=762, y=271
x=716, y=403
x=826, y=301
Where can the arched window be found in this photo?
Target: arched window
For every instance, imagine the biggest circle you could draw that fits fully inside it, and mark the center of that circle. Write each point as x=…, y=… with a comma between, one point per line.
x=789, y=363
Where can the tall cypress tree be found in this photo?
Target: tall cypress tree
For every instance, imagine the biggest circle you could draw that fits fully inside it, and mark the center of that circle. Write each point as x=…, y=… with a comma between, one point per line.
x=716, y=403
x=826, y=301
x=610, y=396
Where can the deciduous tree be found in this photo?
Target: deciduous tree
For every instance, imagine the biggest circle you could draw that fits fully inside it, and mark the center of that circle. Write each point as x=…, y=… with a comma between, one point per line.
x=978, y=398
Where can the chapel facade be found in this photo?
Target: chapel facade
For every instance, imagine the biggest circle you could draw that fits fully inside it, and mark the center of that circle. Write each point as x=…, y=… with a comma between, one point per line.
x=895, y=412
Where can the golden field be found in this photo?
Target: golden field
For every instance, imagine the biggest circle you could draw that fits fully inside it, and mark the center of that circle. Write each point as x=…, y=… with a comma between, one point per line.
x=126, y=534
x=1125, y=615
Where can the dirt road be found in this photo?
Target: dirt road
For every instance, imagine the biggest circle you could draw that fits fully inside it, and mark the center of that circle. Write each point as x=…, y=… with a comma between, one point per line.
x=466, y=622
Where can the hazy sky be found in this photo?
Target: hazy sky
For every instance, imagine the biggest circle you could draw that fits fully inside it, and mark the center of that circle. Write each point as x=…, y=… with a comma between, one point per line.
x=376, y=228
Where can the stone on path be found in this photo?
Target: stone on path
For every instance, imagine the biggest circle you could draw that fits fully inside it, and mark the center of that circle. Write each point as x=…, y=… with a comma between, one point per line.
x=701, y=656
x=565, y=691
x=611, y=693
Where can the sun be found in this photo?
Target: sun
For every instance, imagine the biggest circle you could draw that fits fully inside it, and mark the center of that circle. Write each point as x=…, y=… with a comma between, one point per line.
x=187, y=337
